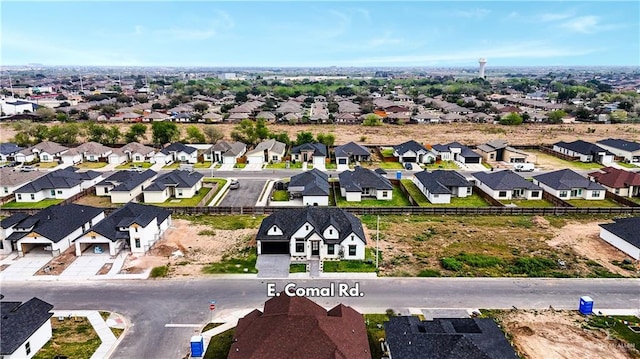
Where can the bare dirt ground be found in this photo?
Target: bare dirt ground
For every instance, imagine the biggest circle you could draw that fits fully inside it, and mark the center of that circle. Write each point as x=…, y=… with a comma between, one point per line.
x=550, y=334
x=58, y=264
x=467, y=133
x=199, y=246
x=97, y=201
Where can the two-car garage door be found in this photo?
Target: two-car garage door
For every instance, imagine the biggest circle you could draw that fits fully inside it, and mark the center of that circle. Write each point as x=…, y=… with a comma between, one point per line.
x=274, y=247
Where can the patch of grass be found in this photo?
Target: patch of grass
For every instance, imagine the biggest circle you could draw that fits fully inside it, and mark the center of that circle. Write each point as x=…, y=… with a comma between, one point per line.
x=174, y=165
x=487, y=166
x=105, y=315
x=627, y=165
x=398, y=199
x=479, y=260
x=616, y=327
x=210, y=326
x=626, y=265
x=128, y=165
x=532, y=266
x=451, y=264
x=220, y=345
x=593, y=203
x=429, y=273
x=47, y=164
x=357, y=266
x=91, y=165
x=415, y=193
x=375, y=332
x=186, y=202
x=528, y=203
x=388, y=165
x=202, y=165
x=117, y=332
x=442, y=165
x=223, y=221
x=207, y=232
x=240, y=165
x=280, y=195
x=297, y=268
x=237, y=264
x=42, y=204
x=331, y=166
x=159, y=272
x=386, y=152
x=283, y=165
x=71, y=337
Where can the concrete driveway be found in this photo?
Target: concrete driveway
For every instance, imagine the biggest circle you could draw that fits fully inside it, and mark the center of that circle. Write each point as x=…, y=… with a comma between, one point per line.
x=273, y=265
x=86, y=266
x=253, y=167
x=245, y=196
x=226, y=167
x=25, y=267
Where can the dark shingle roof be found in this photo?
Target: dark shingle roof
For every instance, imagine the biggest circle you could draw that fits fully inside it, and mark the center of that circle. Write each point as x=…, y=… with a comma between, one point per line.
x=439, y=181
x=62, y=178
x=315, y=183
x=625, y=228
x=13, y=219
x=127, y=215
x=616, y=178
x=583, y=147
x=359, y=178
x=623, y=145
x=178, y=147
x=56, y=222
x=20, y=321
x=351, y=149
x=566, y=179
x=125, y=181
x=290, y=220
x=465, y=151
x=318, y=149
x=457, y=338
x=411, y=145
x=9, y=148
x=504, y=180
x=177, y=178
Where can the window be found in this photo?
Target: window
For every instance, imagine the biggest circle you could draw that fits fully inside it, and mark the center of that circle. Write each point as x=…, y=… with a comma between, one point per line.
x=331, y=231
x=59, y=192
x=563, y=194
x=135, y=229
x=53, y=192
x=617, y=191
x=106, y=190
x=6, y=190
x=19, y=196
x=300, y=245
x=352, y=250
x=33, y=196
x=342, y=161
x=45, y=157
x=384, y=193
x=137, y=242
x=331, y=249
x=274, y=158
x=468, y=190
x=180, y=193
x=306, y=227
x=595, y=194
x=535, y=194
x=435, y=196
x=27, y=347
x=275, y=229
x=502, y=194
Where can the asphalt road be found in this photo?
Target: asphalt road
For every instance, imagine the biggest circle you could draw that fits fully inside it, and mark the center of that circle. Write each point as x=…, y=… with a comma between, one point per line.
x=245, y=196
x=149, y=305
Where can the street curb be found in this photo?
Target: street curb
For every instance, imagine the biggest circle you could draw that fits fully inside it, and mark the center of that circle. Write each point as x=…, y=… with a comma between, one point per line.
x=127, y=325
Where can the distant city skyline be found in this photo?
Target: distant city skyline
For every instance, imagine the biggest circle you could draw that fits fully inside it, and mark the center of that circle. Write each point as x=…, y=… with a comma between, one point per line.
x=321, y=34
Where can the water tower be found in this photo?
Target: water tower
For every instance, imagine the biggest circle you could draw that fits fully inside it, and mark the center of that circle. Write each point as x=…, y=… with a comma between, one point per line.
x=483, y=62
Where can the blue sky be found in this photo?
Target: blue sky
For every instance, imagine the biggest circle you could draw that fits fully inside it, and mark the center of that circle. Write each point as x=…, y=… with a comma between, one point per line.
x=282, y=33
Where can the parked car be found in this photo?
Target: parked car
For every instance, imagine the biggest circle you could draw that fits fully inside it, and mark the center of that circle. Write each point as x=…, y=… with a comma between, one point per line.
x=234, y=184
x=408, y=166
x=524, y=167
x=28, y=169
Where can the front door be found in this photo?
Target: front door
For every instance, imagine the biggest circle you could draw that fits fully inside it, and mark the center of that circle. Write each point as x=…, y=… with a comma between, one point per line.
x=315, y=248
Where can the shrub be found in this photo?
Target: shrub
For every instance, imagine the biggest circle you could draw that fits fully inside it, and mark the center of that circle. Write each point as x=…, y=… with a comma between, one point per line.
x=479, y=260
x=451, y=264
x=429, y=273
x=532, y=266
x=159, y=272
x=206, y=232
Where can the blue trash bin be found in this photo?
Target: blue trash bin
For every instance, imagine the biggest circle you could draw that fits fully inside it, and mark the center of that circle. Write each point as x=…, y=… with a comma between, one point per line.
x=398, y=175
x=586, y=305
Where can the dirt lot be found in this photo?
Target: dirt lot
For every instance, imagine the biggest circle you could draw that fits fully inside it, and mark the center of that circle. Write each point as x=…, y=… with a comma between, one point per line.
x=553, y=334
x=199, y=246
x=467, y=133
x=58, y=264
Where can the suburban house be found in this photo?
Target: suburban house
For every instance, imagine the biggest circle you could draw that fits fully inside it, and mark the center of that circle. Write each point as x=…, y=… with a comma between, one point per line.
x=174, y=184
x=455, y=151
x=89, y=152
x=11, y=180
x=499, y=150
x=567, y=184
x=45, y=151
x=267, y=151
x=323, y=233
x=228, y=152
x=621, y=182
x=584, y=151
x=8, y=151
x=363, y=182
x=624, y=235
x=506, y=185
x=413, y=152
x=176, y=152
x=52, y=229
x=350, y=153
x=312, y=186
x=440, y=185
x=137, y=152
x=315, y=152
x=296, y=327
x=59, y=184
x=134, y=226
x=123, y=186
x=408, y=337
x=622, y=148
x=26, y=328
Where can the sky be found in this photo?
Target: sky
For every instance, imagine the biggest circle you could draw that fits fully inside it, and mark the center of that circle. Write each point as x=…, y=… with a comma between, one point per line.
x=320, y=34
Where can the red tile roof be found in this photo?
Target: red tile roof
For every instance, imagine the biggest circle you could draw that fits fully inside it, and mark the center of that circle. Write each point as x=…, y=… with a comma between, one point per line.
x=616, y=178
x=296, y=327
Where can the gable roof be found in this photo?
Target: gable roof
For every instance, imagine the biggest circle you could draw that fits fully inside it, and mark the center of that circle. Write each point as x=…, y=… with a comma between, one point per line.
x=179, y=147
x=566, y=179
x=61, y=178
x=46, y=146
x=465, y=151
x=351, y=149
x=616, y=178
x=20, y=321
x=622, y=145
x=177, y=178
x=136, y=147
x=56, y=222
x=439, y=181
x=269, y=145
x=127, y=180
x=13, y=219
x=296, y=327
x=9, y=148
x=359, y=178
x=625, y=228
x=291, y=219
x=410, y=145
x=455, y=338
x=583, y=147
x=127, y=215
x=90, y=148
x=9, y=177
x=315, y=183
x=318, y=149
x=504, y=180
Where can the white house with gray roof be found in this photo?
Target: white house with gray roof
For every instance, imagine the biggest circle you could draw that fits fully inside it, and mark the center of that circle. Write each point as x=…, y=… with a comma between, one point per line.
x=267, y=151
x=624, y=235
x=440, y=186
x=312, y=186
x=567, y=184
x=364, y=183
x=11, y=180
x=507, y=185
x=26, y=328
x=45, y=151
x=413, y=152
x=350, y=153
x=228, y=152
x=174, y=184
x=59, y=184
x=124, y=186
x=622, y=148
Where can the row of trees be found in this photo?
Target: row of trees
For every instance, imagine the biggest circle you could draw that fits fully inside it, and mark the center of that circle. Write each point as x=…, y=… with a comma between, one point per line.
x=253, y=132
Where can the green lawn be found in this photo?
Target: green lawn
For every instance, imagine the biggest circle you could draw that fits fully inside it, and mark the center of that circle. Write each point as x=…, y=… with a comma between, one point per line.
x=280, y=195
x=91, y=165
x=220, y=345
x=634, y=199
x=186, y=202
x=375, y=332
x=236, y=265
x=367, y=265
x=330, y=166
x=47, y=164
x=42, y=204
x=616, y=326
x=415, y=193
x=528, y=203
x=442, y=165
x=283, y=165
x=627, y=165
x=297, y=268
x=174, y=165
x=202, y=165
x=72, y=337
x=220, y=181
x=240, y=165
x=387, y=152
x=593, y=203
x=398, y=199
x=128, y=165
x=387, y=165
x=486, y=165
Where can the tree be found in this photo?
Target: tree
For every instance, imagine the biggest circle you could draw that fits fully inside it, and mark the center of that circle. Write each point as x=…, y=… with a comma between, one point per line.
x=164, y=132
x=62, y=117
x=39, y=132
x=22, y=139
x=327, y=139
x=157, y=106
x=213, y=134
x=304, y=137
x=61, y=97
x=262, y=132
x=201, y=106
x=112, y=135
x=66, y=133
x=556, y=116
x=281, y=137
x=135, y=132
x=372, y=120
x=241, y=96
x=333, y=107
x=46, y=113
x=250, y=132
x=511, y=119
x=584, y=114
x=97, y=133
x=194, y=135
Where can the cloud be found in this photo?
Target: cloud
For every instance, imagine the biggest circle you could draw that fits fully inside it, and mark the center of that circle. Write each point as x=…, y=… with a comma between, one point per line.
x=582, y=24
x=553, y=17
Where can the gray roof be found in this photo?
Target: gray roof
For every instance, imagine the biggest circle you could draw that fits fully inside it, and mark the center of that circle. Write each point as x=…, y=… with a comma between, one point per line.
x=351, y=149
x=46, y=146
x=318, y=149
x=92, y=148
x=176, y=178
x=454, y=338
x=411, y=145
x=623, y=145
x=440, y=148
x=9, y=177
x=62, y=178
x=136, y=147
x=626, y=229
x=465, y=151
x=127, y=180
x=9, y=148
x=178, y=147
x=125, y=216
x=440, y=181
x=566, y=179
x=504, y=180
x=269, y=145
x=290, y=220
x=583, y=147
x=315, y=183
x=13, y=219
x=359, y=178
x=20, y=321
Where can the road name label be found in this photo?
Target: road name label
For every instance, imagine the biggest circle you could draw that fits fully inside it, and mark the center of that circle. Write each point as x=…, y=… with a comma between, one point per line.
x=331, y=290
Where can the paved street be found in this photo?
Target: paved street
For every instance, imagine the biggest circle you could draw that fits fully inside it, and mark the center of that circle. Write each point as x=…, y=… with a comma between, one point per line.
x=245, y=196
x=150, y=305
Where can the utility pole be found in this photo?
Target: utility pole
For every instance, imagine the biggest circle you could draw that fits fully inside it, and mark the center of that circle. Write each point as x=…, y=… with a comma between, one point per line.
x=11, y=85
